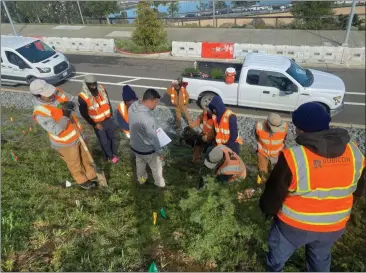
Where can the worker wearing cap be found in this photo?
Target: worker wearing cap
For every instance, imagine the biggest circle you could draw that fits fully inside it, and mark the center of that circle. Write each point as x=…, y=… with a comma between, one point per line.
x=310, y=192
x=227, y=164
x=270, y=135
x=208, y=133
x=96, y=109
x=179, y=97
x=128, y=97
x=52, y=111
x=226, y=125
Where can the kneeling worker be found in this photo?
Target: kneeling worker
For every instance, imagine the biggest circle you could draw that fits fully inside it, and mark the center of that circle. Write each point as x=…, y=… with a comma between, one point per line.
x=64, y=139
x=270, y=135
x=226, y=126
x=208, y=133
x=128, y=97
x=227, y=164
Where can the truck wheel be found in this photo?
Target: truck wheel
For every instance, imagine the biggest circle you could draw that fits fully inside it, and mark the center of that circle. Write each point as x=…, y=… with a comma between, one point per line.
x=206, y=99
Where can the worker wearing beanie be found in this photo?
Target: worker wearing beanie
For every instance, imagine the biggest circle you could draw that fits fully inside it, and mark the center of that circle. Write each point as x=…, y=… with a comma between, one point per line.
x=95, y=107
x=128, y=97
x=52, y=111
x=311, y=189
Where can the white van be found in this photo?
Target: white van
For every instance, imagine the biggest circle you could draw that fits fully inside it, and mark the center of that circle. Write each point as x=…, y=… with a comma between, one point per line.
x=24, y=59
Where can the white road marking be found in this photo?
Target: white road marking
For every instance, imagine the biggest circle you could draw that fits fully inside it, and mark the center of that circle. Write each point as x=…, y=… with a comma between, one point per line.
x=346, y=125
x=121, y=84
x=123, y=76
x=78, y=76
x=129, y=81
x=355, y=93
x=355, y=103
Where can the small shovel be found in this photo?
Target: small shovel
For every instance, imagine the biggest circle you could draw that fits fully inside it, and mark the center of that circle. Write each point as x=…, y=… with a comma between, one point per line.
x=102, y=181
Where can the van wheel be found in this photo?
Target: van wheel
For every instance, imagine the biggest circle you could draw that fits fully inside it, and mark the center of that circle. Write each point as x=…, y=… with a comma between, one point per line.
x=30, y=79
x=206, y=99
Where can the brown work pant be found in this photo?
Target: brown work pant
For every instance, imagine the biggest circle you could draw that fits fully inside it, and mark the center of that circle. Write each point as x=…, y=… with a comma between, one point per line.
x=263, y=163
x=178, y=115
x=78, y=163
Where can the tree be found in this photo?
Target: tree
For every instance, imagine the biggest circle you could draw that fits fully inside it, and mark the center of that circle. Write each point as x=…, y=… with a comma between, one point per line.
x=316, y=9
x=156, y=4
x=218, y=5
x=173, y=8
x=202, y=6
x=149, y=32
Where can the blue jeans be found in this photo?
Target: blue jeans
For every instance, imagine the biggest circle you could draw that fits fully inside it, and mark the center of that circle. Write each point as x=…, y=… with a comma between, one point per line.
x=106, y=138
x=283, y=240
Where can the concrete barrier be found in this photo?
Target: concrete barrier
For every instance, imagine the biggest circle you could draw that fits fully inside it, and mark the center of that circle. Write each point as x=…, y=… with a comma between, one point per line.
x=81, y=44
x=353, y=55
x=241, y=50
x=187, y=49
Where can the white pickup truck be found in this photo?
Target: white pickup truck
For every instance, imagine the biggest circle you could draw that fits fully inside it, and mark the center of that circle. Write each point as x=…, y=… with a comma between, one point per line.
x=270, y=82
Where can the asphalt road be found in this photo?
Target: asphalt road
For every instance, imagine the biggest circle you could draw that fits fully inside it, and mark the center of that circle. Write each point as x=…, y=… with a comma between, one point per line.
x=141, y=74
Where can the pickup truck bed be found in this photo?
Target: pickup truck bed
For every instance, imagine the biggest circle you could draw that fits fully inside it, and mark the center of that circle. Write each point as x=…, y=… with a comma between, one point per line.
x=206, y=67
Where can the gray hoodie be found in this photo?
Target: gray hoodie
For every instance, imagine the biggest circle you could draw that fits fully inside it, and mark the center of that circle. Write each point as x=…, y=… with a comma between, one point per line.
x=143, y=126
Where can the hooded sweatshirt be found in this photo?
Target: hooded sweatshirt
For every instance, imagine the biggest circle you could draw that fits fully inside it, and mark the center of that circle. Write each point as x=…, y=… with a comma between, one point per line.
x=143, y=126
x=218, y=105
x=127, y=95
x=329, y=144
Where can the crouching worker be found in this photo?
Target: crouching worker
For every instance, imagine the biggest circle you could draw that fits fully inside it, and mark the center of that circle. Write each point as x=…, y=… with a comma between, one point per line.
x=53, y=115
x=270, y=135
x=128, y=97
x=227, y=164
x=226, y=126
x=208, y=134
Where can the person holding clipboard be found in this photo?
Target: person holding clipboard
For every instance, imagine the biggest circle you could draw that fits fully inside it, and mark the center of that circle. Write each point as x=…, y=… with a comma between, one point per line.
x=146, y=138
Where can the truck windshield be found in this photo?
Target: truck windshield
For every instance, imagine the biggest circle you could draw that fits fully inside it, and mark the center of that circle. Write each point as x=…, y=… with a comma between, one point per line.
x=36, y=52
x=301, y=75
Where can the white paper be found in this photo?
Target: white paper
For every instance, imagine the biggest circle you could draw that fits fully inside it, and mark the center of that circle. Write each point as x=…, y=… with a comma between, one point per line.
x=68, y=184
x=163, y=137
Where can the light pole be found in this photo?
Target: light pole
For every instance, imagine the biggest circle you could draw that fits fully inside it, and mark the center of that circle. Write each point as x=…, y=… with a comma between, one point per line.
x=10, y=20
x=213, y=13
x=81, y=15
x=349, y=25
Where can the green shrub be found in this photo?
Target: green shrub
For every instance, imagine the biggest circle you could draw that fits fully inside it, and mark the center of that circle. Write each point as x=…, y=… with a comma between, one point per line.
x=217, y=74
x=131, y=46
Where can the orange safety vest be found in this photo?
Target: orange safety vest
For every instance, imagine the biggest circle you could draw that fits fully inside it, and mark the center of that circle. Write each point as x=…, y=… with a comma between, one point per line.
x=270, y=144
x=320, y=194
x=98, y=107
x=223, y=129
x=233, y=165
x=68, y=135
x=123, y=110
x=177, y=100
x=207, y=124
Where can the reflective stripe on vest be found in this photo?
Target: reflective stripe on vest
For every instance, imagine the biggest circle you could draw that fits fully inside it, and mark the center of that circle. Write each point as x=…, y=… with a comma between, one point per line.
x=302, y=173
x=206, y=123
x=174, y=95
x=320, y=194
x=68, y=135
x=270, y=144
x=232, y=166
x=222, y=129
x=318, y=218
x=98, y=108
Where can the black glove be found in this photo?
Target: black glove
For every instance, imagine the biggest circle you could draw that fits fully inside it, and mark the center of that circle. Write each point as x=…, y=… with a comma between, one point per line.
x=67, y=108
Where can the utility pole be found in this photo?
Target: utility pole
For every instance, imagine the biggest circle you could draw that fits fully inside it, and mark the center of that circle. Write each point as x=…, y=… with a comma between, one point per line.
x=213, y=13
x=349, y=25
x=10, y=20
x=81, y=15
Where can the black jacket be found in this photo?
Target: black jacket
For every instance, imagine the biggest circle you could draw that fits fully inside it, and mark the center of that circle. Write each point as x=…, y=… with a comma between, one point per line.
x=329, y=143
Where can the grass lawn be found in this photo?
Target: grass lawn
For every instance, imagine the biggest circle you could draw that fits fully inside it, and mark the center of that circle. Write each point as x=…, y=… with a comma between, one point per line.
x=47, y=227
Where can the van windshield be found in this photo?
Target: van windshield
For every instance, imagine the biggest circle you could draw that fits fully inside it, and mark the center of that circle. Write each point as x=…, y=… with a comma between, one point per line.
x=36, y=52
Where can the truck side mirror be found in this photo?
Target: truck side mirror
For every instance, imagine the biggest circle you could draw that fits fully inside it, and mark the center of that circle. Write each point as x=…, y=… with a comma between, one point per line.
x=292, y=88
x=54, y=48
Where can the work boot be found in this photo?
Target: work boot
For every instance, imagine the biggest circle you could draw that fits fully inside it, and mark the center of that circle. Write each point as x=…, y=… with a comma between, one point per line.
x=88, y=185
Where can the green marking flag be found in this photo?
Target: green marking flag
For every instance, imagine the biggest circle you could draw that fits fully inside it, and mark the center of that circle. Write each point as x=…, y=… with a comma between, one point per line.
x=162, y=213
x=153, y=268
